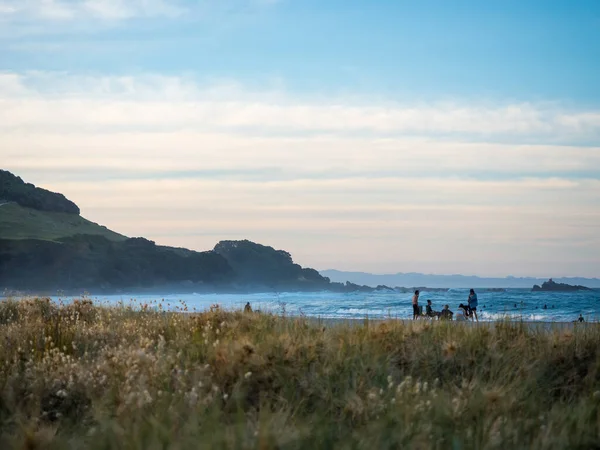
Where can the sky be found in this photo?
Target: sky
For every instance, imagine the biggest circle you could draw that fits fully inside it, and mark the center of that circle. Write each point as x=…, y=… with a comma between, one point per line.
x=378, y=136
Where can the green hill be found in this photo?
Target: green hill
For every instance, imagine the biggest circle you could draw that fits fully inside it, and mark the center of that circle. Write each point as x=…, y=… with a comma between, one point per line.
x=18, y=222
x=46, y=245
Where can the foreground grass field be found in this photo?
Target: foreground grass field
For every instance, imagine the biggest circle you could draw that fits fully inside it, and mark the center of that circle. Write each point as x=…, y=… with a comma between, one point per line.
x=82, y=376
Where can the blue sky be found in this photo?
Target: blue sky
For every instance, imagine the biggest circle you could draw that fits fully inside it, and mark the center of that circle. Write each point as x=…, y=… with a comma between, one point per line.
x=520, y=50
x=382, y=136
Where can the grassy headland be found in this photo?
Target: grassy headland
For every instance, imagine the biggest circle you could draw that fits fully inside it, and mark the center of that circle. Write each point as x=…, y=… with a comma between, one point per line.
x=82, y=376
x=45, y=246
x=19, y=222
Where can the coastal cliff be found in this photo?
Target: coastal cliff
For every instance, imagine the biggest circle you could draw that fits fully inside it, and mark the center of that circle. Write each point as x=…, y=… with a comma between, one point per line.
x=46, y=246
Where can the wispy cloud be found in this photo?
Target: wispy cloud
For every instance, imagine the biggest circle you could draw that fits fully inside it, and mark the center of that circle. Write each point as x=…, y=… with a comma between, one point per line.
x=72, y=10
x=174, y=103
x=41, y=17
x=376, y=185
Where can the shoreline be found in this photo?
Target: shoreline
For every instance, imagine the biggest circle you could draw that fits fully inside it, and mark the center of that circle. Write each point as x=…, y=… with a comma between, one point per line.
x=547, y=326
x=177, y=307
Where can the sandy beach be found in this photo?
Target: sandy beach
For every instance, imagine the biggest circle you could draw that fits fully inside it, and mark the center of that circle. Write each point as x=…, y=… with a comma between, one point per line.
x=537, y=326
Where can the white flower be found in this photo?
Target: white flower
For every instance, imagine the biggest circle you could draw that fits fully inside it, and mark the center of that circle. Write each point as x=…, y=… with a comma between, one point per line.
x=61, y=393
x=247, y=375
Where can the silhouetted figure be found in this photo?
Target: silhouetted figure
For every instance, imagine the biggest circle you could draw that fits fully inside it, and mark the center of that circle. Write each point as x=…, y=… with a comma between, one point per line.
x=415, y=303
x=464, y=312
x=472, y=304
x=429, y=312
x=248, y=308
x=446, y=314
x=545, y=306
x=515, y=305
x=581, y=319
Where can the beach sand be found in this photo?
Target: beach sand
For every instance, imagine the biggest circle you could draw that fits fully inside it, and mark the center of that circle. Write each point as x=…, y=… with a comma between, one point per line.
x=538, y=326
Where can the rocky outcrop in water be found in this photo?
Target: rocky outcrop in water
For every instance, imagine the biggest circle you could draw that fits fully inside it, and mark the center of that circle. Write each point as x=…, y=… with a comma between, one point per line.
x=552, y=286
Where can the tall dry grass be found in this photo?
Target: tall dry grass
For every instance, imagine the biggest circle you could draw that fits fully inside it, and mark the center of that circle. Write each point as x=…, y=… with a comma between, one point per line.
x=82, y=376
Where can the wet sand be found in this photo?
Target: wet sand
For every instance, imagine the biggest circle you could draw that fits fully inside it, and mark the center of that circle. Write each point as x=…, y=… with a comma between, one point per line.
x=538, y=326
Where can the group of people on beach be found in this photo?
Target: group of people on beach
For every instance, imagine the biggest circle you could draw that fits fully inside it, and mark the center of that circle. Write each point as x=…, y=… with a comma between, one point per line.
x=468, y=311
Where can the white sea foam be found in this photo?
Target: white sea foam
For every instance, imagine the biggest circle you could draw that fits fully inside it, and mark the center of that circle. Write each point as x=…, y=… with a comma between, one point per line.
x=518, y=304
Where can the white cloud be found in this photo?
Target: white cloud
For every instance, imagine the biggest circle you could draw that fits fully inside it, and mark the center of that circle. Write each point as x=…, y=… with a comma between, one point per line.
x=20, y=18
x=340, y=183
x=174, y=103
x=70, y=10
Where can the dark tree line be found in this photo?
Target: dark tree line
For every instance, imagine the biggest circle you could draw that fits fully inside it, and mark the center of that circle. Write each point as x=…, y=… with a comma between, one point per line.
x=14, y=189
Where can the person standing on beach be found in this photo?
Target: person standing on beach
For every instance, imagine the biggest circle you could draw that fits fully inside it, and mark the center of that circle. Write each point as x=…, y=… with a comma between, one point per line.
x=473, y=304
x=415, y=303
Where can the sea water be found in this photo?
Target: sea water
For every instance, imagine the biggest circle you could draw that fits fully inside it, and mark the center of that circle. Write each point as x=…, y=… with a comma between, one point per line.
x=517, y=304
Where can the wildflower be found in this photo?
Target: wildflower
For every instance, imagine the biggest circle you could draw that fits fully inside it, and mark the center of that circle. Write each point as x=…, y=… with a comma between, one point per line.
x=225, y=397
x=61, y=393
x=247, y=375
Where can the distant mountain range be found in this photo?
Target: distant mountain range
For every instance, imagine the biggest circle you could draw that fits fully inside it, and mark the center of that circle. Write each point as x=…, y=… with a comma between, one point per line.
x=448, y=281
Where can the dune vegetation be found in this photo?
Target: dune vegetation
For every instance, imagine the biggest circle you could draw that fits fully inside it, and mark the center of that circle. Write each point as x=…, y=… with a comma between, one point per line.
x=87, y=376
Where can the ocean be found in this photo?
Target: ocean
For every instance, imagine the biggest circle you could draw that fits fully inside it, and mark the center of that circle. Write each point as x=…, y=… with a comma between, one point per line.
x=517, y=304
